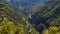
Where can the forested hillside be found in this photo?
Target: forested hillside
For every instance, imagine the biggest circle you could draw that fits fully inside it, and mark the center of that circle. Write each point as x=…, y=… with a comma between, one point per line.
x=42, y=19
x=13, y=23
x=25, y=7
x=46, y=16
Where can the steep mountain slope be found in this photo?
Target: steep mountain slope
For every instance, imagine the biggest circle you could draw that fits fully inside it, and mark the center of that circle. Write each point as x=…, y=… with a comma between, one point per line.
x=46, y=15
x=13, y=19
x=25, y=7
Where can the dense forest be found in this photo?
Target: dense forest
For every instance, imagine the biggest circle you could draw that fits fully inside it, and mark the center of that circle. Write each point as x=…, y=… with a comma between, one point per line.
x=13, y=23
x=44, y=19
x=46, y=16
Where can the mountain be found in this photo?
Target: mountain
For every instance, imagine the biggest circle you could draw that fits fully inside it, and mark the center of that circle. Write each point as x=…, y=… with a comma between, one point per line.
x=25, y=7
x=46, y=15
x=13, y=23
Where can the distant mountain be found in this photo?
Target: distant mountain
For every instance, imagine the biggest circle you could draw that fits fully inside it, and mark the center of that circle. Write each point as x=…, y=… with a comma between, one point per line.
x=25, y=7
x=7, y=11
x=46, y=15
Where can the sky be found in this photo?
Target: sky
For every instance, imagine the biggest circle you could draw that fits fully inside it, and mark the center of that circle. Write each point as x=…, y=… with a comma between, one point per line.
x=8, y=0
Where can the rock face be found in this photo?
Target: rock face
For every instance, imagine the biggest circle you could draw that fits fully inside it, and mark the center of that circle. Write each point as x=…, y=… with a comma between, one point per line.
x=47, y=14
x=9, y=14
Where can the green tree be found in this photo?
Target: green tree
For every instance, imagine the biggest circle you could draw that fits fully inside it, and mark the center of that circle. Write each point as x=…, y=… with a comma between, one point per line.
x=7, y=28
x=52, y=30
x=20, y=29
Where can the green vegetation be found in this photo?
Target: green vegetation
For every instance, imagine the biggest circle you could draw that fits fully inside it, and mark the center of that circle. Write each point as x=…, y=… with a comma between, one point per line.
x=46, y=15
x=9, y=28
x=52, y=30
x=12, y=23
x=46, y=19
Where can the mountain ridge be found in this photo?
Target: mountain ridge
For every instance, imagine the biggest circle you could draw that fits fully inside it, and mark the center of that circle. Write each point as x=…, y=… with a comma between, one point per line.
x=48, y=15
x=7, y=11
